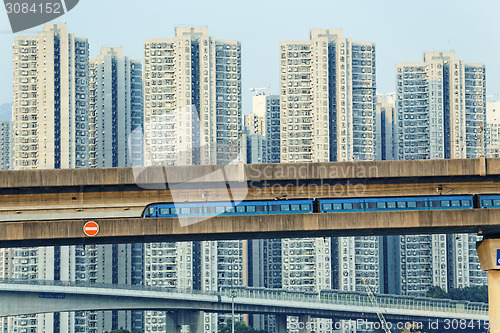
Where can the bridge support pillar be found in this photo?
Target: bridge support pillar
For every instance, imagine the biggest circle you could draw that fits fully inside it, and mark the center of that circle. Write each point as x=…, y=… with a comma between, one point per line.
x=177, y=319
x=306, y=323
x=172, y=324
x=281, y=323
x=489, y=256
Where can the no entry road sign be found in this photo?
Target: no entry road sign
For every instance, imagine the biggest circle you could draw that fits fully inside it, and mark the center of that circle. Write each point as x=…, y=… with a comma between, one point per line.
x=91, y=228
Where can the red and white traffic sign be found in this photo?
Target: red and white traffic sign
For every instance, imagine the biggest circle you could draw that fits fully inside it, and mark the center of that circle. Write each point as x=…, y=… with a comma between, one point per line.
x=91, y=228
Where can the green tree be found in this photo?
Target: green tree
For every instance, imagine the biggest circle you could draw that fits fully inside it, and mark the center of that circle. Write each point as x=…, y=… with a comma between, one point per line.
x=239, y=327
x=472, y=294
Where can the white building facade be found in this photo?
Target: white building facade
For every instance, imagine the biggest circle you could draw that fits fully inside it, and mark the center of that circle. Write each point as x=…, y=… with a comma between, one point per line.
x=50, y=112
x=192, y=70
x=115, y=108
x=5, y=145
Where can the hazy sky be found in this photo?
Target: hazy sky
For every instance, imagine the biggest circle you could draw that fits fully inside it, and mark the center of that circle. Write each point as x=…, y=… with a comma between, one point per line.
x=402, y=31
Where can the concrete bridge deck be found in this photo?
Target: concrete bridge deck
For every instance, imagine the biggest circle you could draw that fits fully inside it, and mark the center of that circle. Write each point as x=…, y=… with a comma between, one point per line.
x=19, y=297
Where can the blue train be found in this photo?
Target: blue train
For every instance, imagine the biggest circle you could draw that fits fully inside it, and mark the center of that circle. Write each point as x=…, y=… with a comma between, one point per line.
x=293, y=206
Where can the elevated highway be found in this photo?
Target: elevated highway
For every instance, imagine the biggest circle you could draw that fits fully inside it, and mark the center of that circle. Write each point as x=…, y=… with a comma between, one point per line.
x=23, y=297
x=124, y=192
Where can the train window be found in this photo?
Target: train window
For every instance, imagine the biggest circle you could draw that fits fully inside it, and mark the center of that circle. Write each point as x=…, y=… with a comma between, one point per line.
x=174, y=210
x=356, y=205
x=240, y=209
x=305, y=207
x=337, y=206
x=487, y=202
x=348, y=205
x=496, y=202
x=412, y=204
x=164, y=211
x=220, y=209
x=465, y=203
x=445, y=203
x=149, y=212
x=381, y=205
x=285, y=207
x=185, y=210
x=230, y=209
x=260, y=208
x=327, y=206
x=250, y=208
x=391, y=204
x=295, y=207
x=421, y=204
x=401, y=204
x=275, y=208
x=195, y=210
x=210, y=210
x=371, y=204
x=455, y=203
x=436, y=203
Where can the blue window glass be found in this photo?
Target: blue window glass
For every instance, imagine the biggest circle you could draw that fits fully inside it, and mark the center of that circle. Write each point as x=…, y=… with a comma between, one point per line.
x=445, y=203
x=487, y=202
x=305, y=207
x=260, y=208
x=220, y=209
x=275, y=208
x=401, y=204
x=285, y=207
x=496, y=202
x=381, y=205
x=412, y=204
x=164, y=211
x=250, y=208
x=295, y=207
x=174, y=210
x=348, y=205
x=185, y=210
x=337, y=206
x=465, y=203
x=455, y=203
x=327, y=206
x=240, y=209
x=391, y=204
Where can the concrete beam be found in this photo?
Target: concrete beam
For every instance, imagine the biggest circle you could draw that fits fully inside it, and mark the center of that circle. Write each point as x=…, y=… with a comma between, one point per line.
x=132, y=230
x=252, y=172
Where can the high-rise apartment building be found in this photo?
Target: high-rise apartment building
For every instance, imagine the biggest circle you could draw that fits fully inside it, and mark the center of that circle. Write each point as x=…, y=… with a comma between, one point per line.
x=385, y=112
x=327, y=87
x=327, y=113
x=192, y=115
x=492, y=130
x=262, y=130
x=51, y=130
x=192, y=70
x=115, y=109
x=50, y=111
x=5, y=145
x=440, y=113
x=440, y=110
